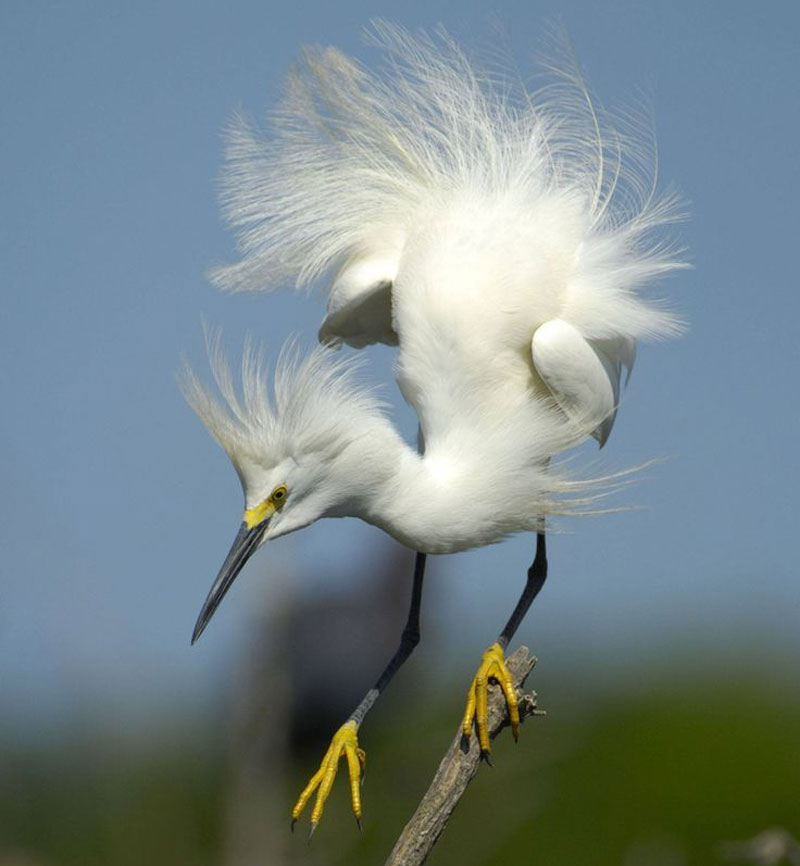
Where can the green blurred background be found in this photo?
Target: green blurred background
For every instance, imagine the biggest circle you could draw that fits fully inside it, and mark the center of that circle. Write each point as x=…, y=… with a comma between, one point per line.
x=641, y=763
x=655, y=775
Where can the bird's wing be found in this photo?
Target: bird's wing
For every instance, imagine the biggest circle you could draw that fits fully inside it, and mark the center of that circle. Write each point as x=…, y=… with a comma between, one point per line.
x=360, y=304
x=583, y=376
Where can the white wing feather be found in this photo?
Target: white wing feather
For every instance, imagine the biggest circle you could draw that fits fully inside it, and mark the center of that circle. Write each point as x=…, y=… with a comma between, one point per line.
x=583, y=376
x=360, y=304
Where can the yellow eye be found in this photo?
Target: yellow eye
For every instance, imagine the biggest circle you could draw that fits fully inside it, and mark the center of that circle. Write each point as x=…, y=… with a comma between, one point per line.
x=279, y=494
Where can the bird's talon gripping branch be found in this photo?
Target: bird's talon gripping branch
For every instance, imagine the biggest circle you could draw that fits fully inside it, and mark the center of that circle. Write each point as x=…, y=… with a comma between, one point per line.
x=344, y=742
x=492, y=666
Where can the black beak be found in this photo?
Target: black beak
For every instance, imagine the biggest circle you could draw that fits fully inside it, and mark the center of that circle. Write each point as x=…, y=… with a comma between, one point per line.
x=243, y=547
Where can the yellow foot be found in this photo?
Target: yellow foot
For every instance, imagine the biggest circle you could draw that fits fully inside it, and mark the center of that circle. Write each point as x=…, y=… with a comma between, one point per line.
x=493, y=666
x=345, y=741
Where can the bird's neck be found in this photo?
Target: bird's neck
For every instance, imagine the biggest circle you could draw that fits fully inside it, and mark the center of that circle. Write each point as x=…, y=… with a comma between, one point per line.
x=455, y=496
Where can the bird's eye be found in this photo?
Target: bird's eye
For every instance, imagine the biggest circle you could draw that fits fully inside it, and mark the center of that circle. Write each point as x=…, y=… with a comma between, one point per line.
x=279, y=494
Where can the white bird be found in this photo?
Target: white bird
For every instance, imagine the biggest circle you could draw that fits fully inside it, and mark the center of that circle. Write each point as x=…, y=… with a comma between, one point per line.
x=501, y=240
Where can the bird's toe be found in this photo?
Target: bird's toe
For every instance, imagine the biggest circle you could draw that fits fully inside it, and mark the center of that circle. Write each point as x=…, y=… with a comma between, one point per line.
x=343, y=744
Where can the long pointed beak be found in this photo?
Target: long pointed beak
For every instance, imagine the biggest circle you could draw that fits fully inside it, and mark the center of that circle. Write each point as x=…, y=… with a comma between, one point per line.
x=244, y=545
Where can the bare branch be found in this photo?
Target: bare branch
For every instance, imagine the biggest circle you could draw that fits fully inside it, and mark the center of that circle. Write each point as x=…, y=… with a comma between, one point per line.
x=457, y=769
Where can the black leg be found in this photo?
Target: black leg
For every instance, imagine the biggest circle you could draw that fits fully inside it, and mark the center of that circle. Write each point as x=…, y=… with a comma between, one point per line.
x=345, y=740
x=408, y=640
x=537, y=574
x=493, y=666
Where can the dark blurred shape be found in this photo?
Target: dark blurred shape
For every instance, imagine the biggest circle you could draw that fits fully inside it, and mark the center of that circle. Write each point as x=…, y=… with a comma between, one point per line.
x=770, y=848
x=257, y=734
x=304, y=669
x=337, y=645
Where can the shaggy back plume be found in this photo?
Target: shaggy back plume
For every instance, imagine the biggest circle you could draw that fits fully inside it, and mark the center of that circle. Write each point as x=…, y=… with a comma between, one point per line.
x=315, y=403
x=356, y=157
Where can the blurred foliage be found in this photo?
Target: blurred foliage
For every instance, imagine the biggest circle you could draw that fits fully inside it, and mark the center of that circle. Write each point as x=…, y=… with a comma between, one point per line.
x=85, y=802
x=654, y=776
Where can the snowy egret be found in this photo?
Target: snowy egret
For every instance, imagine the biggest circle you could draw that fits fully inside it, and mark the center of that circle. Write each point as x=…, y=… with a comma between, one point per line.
x=501, y=240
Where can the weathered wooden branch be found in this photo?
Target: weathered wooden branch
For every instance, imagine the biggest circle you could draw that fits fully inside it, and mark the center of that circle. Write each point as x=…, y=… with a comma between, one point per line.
x=457, y=769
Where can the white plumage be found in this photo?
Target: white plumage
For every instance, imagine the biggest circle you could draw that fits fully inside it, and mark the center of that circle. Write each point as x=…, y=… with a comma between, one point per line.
x=500, y=238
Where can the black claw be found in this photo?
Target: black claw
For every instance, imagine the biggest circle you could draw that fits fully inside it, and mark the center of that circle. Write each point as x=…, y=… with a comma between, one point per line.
x=311, y=832
x=485, y=756
x=360, y=828
x=294, y=821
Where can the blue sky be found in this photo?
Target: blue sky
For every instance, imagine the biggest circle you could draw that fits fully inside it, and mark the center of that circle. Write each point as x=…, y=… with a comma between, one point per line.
x=117, y=508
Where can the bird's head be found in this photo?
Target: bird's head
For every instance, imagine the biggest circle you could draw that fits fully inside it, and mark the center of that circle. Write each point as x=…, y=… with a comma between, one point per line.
x=289, y=443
